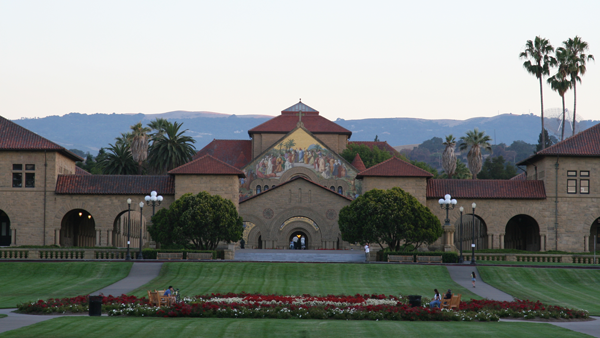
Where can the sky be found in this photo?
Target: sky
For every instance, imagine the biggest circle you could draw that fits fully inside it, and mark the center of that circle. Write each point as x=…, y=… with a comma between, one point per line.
x=347, y=59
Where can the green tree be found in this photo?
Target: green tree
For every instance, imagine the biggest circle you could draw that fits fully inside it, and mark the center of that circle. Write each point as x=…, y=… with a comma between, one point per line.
x=376, y=138
x=524, y=149
x=448, y=157
x=550, y=140
x=475, y=140
x=496, y=168
x=393, y=217
x=139, y=144
x=560, y=82
x=370, y=156
x=434, y=145
x=172, y=149
x=425, y=166
x=158, y=127
x=538, y=51
x=577, y=66
x=197, y=222
x=118, y=161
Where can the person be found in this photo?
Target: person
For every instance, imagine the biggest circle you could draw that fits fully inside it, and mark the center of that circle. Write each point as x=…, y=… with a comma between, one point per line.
x=367, y=252
x=437, y=299
x=291, y=245
x=242, y=243
x=473, y=278
x=303, y=243
x=447, y=297
x=295, y=240
x=169, y=291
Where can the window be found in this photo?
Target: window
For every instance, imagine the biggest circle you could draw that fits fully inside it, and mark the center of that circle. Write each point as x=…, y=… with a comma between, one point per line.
x=266, y=188
x=332, y=188
x=584, y=173
x=572, y=173
x=340, y=191
x=30, y=167
x=29, y=180
x=258, y=189
x=584, y=186
x=17, y=180
x=571, y=186
x=17, y=167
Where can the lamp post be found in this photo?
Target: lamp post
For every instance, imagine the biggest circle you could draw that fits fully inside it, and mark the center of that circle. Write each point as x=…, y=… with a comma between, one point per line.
x=446, y=203
x=140, y=256
x=153, y=200
x=460, y=235
x=128, y=257
x=473, y=242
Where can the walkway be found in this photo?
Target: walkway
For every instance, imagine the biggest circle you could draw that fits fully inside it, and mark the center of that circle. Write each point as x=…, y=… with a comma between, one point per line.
x=317, y=256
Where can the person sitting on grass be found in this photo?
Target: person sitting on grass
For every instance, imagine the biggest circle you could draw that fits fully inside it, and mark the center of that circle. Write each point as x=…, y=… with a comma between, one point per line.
x=436, y=299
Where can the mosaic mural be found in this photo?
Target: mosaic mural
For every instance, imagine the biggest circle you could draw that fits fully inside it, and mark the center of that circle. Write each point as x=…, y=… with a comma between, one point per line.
x=297, y=150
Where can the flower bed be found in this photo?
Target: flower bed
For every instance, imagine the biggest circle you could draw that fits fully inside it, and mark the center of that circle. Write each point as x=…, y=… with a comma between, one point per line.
x=357, y=307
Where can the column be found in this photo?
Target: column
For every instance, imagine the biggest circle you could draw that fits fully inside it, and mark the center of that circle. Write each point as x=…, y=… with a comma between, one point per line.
x=109, y=238
x=543, y=243
x=501, y=238
x=56, y=236
x=14, y=237
x=490, y=242
x=98, y=238
x=586, y=243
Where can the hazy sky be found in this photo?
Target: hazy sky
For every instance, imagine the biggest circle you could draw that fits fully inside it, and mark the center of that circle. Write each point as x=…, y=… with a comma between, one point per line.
x=347, y=59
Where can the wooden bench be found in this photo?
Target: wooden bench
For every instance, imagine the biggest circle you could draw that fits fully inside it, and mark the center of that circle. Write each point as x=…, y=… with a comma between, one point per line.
x=429, y=259
x=401, y=259
x=199, y=256
x=169, y=255
x=157, y=298
x=451, y=303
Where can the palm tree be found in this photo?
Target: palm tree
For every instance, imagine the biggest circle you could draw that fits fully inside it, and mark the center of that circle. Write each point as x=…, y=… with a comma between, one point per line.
x=124, y=139
x=171, y=149
x=559, y=82
x=475, y=140
x=158, y=126
x=577, y=49
x=448, y=157
x=118, y=160
x=139, y=144
x=538, y=51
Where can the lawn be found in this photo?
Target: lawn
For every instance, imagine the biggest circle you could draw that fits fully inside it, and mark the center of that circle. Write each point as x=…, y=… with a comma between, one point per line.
x=296, y=279
x=23, y=282
x=220, y=327
x=576, y=288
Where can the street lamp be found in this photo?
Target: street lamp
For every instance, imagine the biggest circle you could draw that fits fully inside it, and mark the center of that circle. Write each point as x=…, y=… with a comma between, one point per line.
x=445, y=203
x=140, y=256
x=460, y=235
x=473, y=242
x=153, y=200
x=128, y=257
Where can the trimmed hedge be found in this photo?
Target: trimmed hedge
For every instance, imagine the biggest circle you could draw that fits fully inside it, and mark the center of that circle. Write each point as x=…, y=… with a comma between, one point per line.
x=152, y=253
x=447, y=257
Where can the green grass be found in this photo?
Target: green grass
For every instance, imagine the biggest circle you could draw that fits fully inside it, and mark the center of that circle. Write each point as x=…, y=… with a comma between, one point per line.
x=23, y=282
x=90, y=327
x=296, y=279
x=3, y=315
x=575, y=288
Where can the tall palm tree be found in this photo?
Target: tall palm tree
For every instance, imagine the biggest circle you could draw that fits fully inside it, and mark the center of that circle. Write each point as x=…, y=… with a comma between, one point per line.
x=139, y=144
x=475, y=140
x=118, y=160
x=158, y=126
x=124, y=139
x=560, y=81
x=538, y=51
x=171, y=149
x=448, y=157
x=577, y=49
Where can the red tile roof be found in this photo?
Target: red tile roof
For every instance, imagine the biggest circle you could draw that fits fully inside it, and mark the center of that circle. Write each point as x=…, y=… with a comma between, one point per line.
x=358, y=163
x=15, y=137
x=520, y=177
x=228, y=151
x=79, y=171
x=292, y=180
x=381, y=145
x=287, y=121
x=483, y=189
x=115, y=184
x=207, y=165
x=394, y=167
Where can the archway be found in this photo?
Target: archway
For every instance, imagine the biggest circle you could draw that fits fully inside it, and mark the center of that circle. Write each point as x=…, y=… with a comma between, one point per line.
x=78, y=228
x=120, y=228
x=5, y=233
x=594, y=229
x=301, y=240
x=522, y=233
x=470, y=233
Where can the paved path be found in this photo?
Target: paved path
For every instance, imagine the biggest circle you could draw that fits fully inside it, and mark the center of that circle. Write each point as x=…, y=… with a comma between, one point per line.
x=461, y=274
x=328, y=256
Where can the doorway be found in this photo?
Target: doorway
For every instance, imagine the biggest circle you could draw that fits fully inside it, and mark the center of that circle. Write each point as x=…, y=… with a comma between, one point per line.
x=5, y=236
x=298, y=240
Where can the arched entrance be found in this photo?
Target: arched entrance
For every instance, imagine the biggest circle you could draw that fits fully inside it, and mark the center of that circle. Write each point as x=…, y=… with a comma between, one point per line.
x=78, y=228
x=5, y=233
x=301, y=240
x=594, y=229
x=522, y=233
x=120, y=228
x=468, y=232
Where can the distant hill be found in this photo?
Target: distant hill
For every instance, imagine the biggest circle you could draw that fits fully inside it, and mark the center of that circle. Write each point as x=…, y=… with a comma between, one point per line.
x=91, y=132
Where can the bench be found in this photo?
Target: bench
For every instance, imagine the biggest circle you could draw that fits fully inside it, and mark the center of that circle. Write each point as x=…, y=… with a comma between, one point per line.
x=157, y=298
x=169, y=255
x=401, y=259
x=429, y=259
x=451, y=303
x=199, y=256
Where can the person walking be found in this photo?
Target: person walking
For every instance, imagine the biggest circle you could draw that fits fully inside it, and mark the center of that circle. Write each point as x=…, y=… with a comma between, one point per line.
x=437, y=299
x=367, y=252
x=473, y=278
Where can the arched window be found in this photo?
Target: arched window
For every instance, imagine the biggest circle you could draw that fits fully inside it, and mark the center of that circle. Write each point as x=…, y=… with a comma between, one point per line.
x=266, y=187
x=340, y=190
x=258, y=189
x=273, y=186
x=332, y=188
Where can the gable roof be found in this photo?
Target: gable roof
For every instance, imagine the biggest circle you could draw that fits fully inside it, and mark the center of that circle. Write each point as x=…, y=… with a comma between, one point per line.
x=79, y=171
x=115, y=184
x=585, y=143
x=520, y=177
x=207, y=165
x=293, y=180
x=228, y=151
x=14, y=137
x=381, y=145
x=394, y=167
x=358, y=163
x=299, y=107
x=483, y=189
